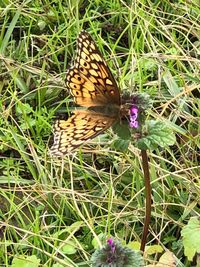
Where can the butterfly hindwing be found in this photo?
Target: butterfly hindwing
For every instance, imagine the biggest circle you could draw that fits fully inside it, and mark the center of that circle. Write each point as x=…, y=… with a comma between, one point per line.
x=80, y=127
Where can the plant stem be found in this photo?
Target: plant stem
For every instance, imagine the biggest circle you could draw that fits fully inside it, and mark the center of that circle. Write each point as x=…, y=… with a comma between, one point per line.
x=145, y=165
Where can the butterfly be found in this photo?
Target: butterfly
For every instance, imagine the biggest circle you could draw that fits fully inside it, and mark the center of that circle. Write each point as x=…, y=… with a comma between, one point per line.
x=94, y=88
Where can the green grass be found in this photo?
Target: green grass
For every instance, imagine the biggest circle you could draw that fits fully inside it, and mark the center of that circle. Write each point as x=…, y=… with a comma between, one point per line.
x=150, y=46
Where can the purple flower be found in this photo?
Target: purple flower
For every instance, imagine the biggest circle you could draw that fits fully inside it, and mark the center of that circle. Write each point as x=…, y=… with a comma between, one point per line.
x=134, y=110
x=134, y=124
x=111, y=244
x=113, y=254
x=133, y=117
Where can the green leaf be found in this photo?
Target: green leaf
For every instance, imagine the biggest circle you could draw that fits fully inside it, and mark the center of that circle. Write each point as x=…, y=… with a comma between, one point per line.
x=69, y=248
x=74, y=227
x=191, y=238
x=158, y=134
x=153, y=249
x=121, y=256
x=135, y=245
x=171, y=83
x=10, y=30
x=148, y=64
x=41, y=24
x=175, y=90
x=101, y=237
x=23, y=108
x=22, y=261
x=122, y=130
x=121, y=145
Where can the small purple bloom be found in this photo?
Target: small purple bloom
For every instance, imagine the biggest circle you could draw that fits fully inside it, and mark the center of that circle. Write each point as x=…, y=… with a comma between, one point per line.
x=134, y=110
x=111, y=244
x=114, y=254
x=134, y=124
x=133, y=117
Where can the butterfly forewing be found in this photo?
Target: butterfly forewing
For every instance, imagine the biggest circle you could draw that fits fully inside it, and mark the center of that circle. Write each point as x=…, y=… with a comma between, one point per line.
x=92, y=85
x=90, y=80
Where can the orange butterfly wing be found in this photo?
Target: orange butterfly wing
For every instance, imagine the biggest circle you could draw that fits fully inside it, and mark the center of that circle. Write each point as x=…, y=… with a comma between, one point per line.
x=80, y=127
x=90, y=80
x=93, y=86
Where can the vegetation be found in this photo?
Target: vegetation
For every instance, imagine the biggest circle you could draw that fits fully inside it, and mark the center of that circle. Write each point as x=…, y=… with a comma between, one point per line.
x=58, y=212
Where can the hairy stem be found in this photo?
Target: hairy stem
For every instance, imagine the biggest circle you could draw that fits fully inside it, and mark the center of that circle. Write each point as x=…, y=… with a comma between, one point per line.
x=145, y=165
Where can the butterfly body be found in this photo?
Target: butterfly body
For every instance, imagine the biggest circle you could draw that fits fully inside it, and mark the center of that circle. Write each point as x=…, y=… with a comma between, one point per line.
x=108, y=110
x=93, y=87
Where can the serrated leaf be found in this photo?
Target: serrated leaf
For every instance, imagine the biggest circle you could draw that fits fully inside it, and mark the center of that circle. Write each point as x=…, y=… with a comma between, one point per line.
x=121, y=145
x=191, y=238
x=121, y=256
x=158, y=134
x=122, y=130
x=23, y=108
x=22, y=261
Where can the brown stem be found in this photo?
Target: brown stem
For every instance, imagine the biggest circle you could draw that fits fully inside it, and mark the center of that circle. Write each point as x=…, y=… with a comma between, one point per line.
x=145, y=165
